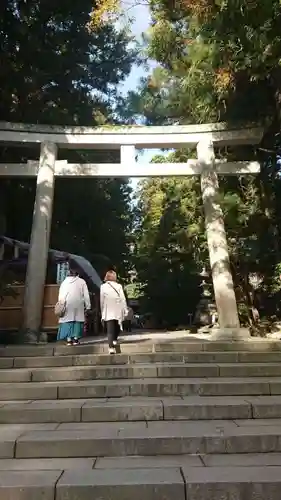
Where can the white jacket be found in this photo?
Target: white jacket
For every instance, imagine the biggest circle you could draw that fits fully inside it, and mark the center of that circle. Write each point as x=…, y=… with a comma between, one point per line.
x=74, y=292
x=112, y=302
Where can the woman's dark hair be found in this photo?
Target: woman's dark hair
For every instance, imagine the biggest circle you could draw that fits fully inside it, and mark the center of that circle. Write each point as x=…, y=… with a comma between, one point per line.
x=73, y=271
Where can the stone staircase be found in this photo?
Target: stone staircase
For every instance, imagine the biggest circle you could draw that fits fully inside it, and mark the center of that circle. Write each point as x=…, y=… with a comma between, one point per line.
x=187, y=420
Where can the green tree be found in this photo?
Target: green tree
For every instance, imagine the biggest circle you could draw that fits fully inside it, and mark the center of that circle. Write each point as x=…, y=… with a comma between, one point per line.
x=170, y=247
x=55, y=70
x=220, y=61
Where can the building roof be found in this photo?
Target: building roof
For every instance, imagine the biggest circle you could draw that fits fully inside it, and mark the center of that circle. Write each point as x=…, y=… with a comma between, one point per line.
x=81, y=263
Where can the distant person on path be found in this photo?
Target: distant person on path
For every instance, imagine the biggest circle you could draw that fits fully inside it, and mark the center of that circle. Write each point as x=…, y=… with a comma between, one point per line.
x=72, y=301
x=128, y=320
x=113, y=308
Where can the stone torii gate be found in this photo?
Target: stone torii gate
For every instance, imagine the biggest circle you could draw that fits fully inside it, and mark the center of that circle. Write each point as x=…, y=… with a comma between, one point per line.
x=204, y=137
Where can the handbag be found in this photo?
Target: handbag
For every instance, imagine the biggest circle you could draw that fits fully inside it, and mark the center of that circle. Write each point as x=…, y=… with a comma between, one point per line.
x=60, y=308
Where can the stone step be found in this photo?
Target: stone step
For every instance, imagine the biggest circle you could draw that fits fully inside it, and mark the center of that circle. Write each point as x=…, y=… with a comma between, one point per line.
x=124, y=359
x=159, y=461
x=60, y=464
x=150, y=387
x=156, y=484
x=188, y=420
x=141, y=462
x=141, y=409
x=89, y=440
x=140, y=371
x=20, y=485
x=186, y=483
x=142, y=346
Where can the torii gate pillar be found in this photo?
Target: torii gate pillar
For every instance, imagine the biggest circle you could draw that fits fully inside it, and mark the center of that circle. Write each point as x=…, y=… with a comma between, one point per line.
x=39, y=243
x=218, y=250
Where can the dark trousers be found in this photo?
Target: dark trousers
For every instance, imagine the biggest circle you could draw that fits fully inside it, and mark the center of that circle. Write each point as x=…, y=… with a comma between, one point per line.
x=112, y=329
x=128, y=325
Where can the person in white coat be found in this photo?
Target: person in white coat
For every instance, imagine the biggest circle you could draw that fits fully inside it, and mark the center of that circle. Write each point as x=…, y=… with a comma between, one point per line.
x=74, y=294
x=113, y=308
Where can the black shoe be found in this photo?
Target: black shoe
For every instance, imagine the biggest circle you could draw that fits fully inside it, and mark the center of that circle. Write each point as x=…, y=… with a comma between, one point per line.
x=75, y=341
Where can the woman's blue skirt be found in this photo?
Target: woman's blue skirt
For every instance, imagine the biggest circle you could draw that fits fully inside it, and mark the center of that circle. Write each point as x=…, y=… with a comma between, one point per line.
x=70, y=329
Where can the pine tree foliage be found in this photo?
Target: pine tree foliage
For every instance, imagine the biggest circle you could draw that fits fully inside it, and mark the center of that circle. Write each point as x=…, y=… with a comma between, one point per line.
x=220, y=60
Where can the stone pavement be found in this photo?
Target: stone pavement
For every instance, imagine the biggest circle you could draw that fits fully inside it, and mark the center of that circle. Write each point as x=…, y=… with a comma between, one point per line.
x=173, y=416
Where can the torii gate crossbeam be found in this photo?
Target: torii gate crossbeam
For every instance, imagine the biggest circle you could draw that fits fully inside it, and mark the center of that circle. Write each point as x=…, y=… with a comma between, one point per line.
x=204, y=137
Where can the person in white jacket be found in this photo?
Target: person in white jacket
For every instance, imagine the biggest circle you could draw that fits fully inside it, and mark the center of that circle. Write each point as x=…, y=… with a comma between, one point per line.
x=113, y=308
x=74, y=294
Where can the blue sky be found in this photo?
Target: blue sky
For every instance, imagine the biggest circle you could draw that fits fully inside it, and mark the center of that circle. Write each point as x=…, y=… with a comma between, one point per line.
x=141, y=16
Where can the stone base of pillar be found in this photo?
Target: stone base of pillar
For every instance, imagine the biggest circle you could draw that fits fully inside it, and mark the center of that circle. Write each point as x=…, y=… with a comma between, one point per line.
x=28, y=337
x=43, y=338
x=230, y=334
x=32, y=337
